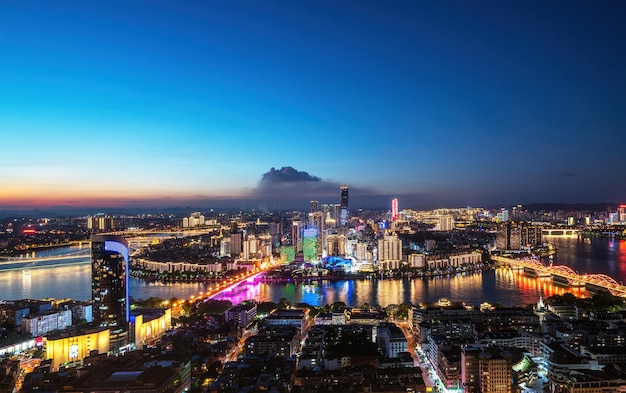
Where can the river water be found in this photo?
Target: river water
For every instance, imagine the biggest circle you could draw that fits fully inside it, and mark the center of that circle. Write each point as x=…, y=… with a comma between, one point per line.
x=595, y=255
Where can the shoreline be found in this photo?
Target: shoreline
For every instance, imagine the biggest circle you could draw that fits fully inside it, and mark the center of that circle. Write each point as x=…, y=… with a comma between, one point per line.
x=137, y=273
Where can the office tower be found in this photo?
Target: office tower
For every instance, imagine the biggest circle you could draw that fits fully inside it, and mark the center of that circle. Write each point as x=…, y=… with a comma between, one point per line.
x=344, y=204
x=315, y=206
x=296, y=234
x=622, y=213
x=275, y=228
x=236, y=244
x=390, y=248
x=503, y=215
x=336, y=212
x=234, y=227
x=316, y=220
x=394, y=209
x=109, y=286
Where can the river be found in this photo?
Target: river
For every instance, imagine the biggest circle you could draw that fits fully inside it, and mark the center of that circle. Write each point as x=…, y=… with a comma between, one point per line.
x=595, y=255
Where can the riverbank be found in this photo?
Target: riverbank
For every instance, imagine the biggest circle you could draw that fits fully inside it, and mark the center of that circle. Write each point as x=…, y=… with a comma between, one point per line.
x=275, y=276
x=6, y=254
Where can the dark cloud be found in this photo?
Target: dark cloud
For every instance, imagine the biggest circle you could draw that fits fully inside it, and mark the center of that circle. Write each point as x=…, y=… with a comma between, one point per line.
x=288, y=174
x=288, y=183
x=289, y=187
x=566, y=174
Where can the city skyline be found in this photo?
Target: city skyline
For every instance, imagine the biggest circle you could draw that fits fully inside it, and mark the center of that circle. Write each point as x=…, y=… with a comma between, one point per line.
x=271, y=105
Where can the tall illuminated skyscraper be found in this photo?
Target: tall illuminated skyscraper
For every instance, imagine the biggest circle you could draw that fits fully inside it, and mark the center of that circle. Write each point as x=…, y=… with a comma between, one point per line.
x=316, y=220
x=296, y=235
x=344, y=204
x=109, y=285
x=394, y=209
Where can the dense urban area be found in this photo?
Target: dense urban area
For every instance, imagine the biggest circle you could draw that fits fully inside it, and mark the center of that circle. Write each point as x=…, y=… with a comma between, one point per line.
x=563, y=343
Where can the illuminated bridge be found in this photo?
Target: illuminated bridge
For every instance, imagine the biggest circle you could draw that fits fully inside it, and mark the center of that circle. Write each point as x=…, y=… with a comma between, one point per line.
x=184, y=232
x=80, y=254
x=591, y=281
x=560, y=232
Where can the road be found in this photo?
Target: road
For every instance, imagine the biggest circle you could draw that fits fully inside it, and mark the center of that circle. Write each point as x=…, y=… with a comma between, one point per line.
x=431, y=379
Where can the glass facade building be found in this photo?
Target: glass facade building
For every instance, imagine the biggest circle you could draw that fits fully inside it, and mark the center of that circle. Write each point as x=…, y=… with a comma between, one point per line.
x=344, y=204
x=109, y=285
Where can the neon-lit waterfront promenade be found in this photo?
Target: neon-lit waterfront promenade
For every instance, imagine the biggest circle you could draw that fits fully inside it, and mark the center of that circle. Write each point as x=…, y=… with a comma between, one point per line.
x=601, y=281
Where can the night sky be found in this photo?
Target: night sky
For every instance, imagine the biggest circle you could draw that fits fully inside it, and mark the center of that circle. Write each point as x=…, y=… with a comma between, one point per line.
x=438, y=103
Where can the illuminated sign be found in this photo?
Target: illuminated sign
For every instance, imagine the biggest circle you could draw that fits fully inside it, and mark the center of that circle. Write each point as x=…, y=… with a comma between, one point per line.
x=73, y=351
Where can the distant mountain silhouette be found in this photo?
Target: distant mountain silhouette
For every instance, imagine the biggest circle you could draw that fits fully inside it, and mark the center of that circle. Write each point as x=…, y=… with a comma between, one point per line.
x=596, y=207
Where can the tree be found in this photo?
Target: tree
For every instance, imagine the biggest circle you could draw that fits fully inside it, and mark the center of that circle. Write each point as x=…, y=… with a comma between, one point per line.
x=265, y=307
x=402, y=312
x=283, y=303
x=214, y=307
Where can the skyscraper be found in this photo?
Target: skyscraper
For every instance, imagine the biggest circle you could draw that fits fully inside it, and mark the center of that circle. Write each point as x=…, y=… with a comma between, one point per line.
x=316, y=220
x=390, y=248
x=296, y=235
x=344, y=204
x=109, y=285
x=315, y=206
x=394, y=209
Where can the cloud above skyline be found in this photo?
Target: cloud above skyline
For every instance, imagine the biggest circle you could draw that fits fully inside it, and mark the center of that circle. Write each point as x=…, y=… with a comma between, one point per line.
x=287, y=174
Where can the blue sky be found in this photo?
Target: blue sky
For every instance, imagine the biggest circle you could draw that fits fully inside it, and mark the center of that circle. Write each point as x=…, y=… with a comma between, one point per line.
x=439, y=103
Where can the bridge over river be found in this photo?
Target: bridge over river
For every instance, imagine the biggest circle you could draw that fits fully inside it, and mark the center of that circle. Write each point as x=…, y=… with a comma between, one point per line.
x=565, y=274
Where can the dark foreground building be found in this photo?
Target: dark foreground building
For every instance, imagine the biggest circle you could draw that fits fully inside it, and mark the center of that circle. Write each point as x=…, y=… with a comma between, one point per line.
x=109, y=286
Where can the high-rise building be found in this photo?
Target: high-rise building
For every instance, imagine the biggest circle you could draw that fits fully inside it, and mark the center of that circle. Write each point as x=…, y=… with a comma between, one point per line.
x=316, y=220
x=495, y=372
x=236, y=244
x=394, y=209
x=516, y=236
x=445, y=223
x=470, y=369
x=622, y=213
x=336, y=244
x=390, y=248
x=344, y=204
x=194, y=220
x=296, y=235
x=315, y=206
x=109, y=285
x=100, y=223
x=503, y=215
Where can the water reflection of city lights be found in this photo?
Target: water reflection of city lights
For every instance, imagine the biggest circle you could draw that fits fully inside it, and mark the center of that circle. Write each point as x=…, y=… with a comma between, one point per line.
x=543, y=284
